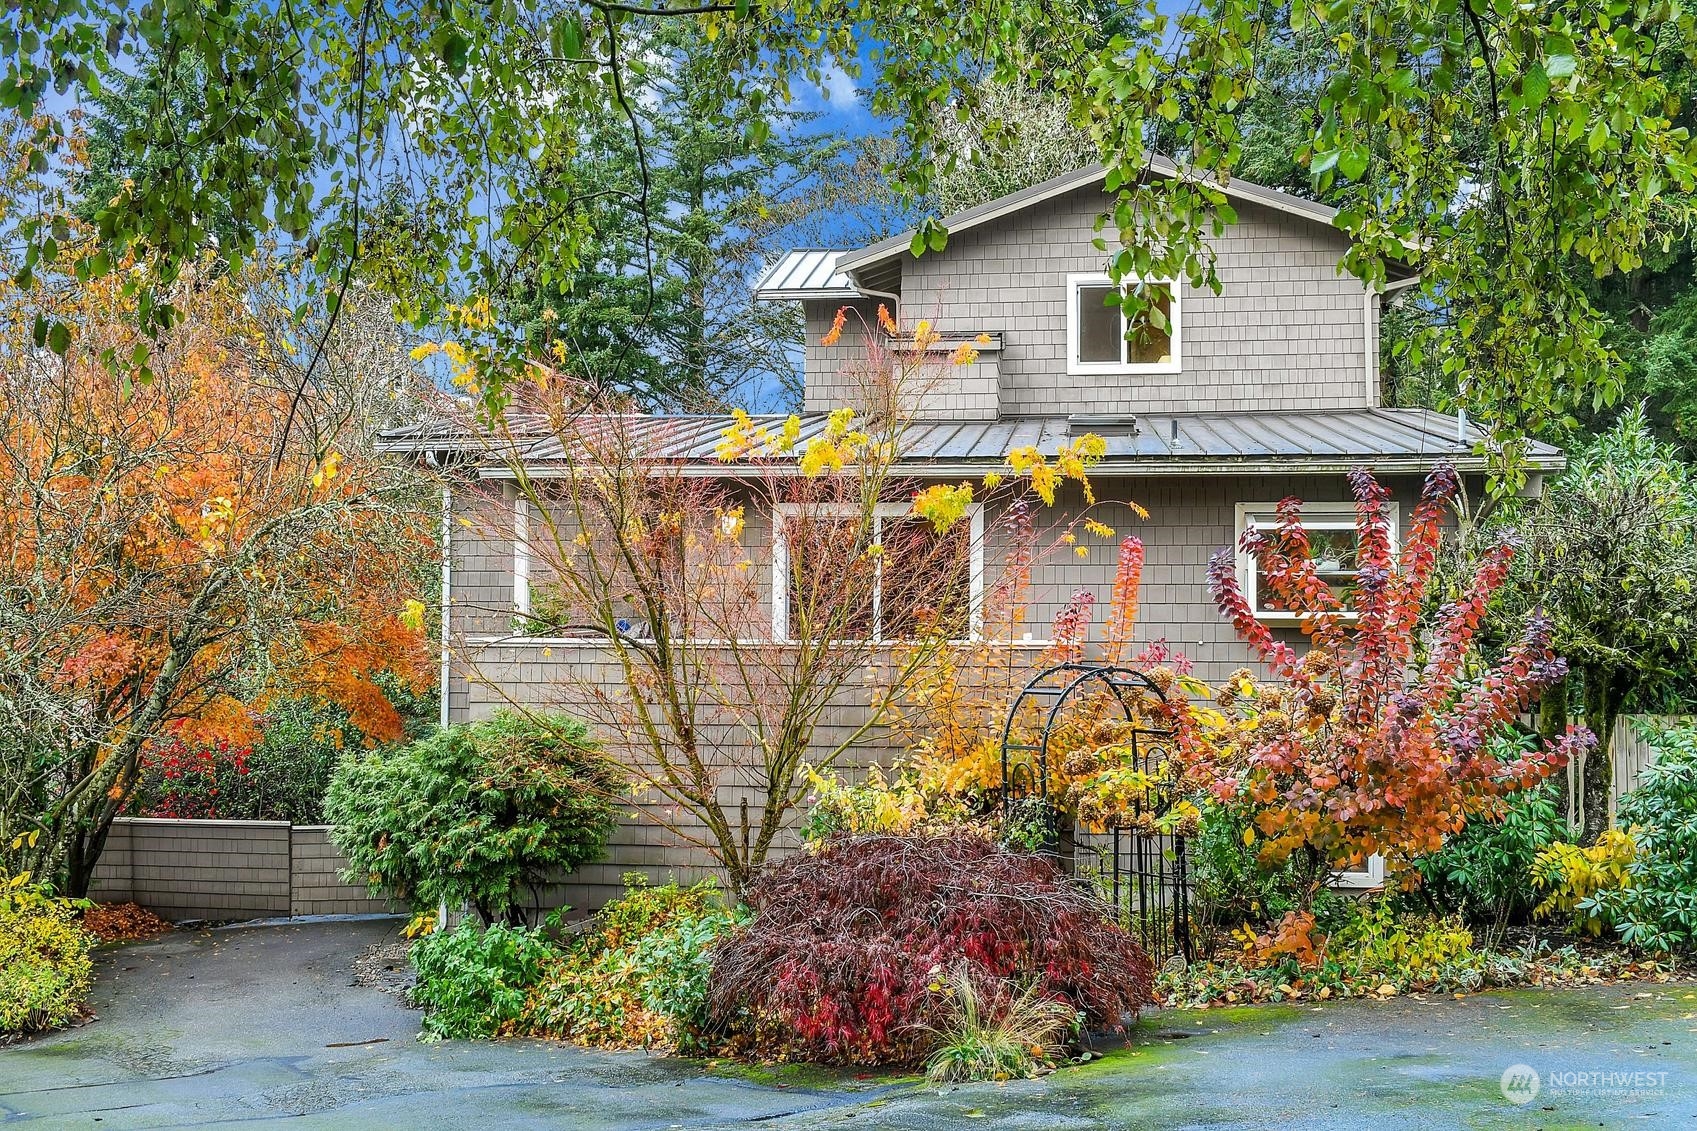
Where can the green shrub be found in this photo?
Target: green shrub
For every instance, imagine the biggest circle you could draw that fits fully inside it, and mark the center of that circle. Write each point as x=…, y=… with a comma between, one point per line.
x=637, y=976
x=1485, y=873
x=1405, y=951
x=1232, y=888
x=1372, y=950
x=289, y=771
x=475, y=982
x=1657, y=907
x=45, y=969
x=480, y=814
x=1584, y=882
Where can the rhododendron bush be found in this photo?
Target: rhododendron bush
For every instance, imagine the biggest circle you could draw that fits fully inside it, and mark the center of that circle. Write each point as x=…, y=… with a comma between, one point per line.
x=845, y=955
x=1376, y=741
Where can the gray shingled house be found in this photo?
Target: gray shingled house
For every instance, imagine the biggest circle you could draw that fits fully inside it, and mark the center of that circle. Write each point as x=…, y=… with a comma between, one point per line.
x=1269, y=389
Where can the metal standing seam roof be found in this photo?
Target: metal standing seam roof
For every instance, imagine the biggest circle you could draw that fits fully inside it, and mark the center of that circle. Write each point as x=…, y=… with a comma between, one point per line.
x=1385, y=438
x=809, y=273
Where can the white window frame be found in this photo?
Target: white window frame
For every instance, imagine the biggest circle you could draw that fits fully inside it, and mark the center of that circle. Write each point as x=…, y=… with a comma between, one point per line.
x=1175, y=329
x=1371, y=874
x=521, y=556
x=781, y=562
x=1326, y=515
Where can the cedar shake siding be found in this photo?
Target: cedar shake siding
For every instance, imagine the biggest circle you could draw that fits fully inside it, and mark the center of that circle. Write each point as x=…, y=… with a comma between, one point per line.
x=1189, y=519
x=1288, y=331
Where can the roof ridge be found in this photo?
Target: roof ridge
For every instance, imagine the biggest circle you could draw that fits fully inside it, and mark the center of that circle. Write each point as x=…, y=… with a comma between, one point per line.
x=1158, y=165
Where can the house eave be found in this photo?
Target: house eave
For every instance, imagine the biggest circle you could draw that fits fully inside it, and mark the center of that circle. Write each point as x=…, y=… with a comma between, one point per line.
x=1106, y=469
x=834, y=294
x=1160, y=167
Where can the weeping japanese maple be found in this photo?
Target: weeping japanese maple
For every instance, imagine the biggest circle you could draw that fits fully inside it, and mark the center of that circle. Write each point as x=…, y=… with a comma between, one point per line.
x=1386, y=737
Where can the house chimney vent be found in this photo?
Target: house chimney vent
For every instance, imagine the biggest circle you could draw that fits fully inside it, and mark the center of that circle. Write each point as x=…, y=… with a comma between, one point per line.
x=1103, y=425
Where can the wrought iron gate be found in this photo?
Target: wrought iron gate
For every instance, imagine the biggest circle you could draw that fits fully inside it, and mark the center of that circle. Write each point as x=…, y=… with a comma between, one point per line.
x=1141, y=868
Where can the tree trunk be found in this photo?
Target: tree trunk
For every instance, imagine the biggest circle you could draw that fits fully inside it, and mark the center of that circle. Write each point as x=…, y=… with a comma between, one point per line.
x=1602, y=710
x=1552, y=724
x=81, y=855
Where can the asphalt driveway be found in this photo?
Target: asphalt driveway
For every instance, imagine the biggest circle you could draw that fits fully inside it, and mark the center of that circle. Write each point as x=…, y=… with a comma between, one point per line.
x=235, y=1026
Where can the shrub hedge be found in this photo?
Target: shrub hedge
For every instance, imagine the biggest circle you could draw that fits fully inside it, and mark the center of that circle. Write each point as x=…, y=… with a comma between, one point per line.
x=481, y=814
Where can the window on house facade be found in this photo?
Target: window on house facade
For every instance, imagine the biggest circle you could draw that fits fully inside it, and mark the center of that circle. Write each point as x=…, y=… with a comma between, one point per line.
x=1099, y=339
x=918, y=579
x=1332, y=546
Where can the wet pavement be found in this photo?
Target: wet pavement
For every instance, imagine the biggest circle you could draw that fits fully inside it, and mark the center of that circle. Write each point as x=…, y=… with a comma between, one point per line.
x=228, y=1027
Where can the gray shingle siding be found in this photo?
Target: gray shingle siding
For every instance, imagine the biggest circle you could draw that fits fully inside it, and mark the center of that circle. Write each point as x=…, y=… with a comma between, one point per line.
x=1190, y=518
x=1287, y=331
x=830, y=379
x=836, y=377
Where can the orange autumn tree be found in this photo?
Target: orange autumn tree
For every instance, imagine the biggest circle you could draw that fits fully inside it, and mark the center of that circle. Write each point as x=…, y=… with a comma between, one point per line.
x=186, y=537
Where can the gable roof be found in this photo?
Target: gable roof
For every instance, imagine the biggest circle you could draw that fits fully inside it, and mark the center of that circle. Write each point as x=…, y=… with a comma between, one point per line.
x=1067, y=182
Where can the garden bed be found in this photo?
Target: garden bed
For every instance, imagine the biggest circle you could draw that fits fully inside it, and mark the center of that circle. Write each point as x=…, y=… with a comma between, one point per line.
x=1216, y=983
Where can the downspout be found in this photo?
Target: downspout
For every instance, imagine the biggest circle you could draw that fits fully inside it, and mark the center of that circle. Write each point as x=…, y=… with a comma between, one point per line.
x=447, y=602
x=447, y=585
x=895, y=299
x=447, y=593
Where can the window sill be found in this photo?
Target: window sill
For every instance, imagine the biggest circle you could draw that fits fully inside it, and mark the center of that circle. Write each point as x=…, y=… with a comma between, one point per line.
x=1293, y=619
x=1089, y=369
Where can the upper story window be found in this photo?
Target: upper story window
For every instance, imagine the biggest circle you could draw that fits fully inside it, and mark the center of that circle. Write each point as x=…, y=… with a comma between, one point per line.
x=1100, y=341
x=919, y=576
x=1332, y=546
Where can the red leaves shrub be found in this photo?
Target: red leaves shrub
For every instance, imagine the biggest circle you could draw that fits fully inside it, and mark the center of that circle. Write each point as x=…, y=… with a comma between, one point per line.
x=1378, y=740
x=847, y=944
x=182, y=779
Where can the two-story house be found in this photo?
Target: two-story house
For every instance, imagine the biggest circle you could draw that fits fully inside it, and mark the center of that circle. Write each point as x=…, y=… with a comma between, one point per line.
x=1270, y=388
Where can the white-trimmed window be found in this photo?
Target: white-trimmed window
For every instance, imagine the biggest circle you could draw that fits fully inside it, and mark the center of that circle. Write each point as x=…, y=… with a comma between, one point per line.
x=1332, y=544
x=1099, y=341
x=1371, y=874
x=521, y=556
x=917, y=569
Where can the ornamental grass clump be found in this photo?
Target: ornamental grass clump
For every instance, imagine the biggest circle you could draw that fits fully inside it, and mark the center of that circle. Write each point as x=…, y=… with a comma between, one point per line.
x=848, y=948
x=997, y=1039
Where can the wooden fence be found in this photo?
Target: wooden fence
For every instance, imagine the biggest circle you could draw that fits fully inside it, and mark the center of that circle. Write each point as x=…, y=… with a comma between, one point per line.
x=1631, y=754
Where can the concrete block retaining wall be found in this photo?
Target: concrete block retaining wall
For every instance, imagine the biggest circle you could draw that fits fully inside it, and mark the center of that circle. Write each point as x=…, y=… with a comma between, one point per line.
x=191, y=869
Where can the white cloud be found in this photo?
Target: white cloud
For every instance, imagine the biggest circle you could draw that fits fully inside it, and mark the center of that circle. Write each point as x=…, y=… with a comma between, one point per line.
x=838, y=86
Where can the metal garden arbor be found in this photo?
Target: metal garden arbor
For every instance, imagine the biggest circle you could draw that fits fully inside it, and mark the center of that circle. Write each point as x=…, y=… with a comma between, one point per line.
x=1144, y=871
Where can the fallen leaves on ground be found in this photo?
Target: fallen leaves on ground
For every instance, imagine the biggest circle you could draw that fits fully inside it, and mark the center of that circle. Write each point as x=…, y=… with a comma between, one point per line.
x=123, y=922
x=1221, y=983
